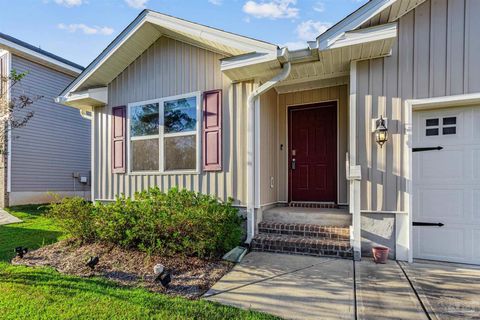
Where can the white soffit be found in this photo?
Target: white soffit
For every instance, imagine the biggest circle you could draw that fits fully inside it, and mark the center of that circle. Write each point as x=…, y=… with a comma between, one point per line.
x=372, y=34
x=250, y=66
x=353, y=21
x=392, y=13
x=144, y=31
x=96, y=97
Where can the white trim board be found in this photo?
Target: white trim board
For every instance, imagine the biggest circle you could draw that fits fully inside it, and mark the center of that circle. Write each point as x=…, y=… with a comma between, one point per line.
x=161, y=135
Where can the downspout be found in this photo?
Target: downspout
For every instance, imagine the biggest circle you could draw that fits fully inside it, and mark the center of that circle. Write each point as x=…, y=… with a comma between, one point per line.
x=251, y=103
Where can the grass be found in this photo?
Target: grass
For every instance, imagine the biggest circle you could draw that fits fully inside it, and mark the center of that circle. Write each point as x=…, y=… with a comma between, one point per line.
x=35, y=231
x=43, y=293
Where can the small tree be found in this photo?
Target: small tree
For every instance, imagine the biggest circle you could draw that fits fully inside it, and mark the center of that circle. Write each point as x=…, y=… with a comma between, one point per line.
x=15, y=104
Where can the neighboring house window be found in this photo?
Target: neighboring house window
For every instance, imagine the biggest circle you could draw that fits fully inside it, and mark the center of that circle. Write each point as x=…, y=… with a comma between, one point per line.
x=164, y=134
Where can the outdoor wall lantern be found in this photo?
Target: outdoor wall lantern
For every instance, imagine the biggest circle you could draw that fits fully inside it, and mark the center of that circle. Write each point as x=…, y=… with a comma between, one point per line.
x=381, y=131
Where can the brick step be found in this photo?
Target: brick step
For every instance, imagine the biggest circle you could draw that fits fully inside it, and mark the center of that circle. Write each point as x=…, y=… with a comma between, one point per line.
x=301, y=245
x=305, y=230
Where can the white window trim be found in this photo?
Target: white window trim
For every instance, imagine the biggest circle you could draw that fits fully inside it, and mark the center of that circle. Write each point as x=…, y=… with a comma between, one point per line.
x=161, y=135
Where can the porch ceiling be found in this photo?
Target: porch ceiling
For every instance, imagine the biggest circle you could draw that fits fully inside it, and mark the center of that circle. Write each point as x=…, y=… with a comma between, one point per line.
x=310, y=65
x=335, y=63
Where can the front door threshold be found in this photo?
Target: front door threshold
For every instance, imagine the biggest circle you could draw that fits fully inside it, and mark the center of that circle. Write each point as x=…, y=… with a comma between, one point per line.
x=320, y=205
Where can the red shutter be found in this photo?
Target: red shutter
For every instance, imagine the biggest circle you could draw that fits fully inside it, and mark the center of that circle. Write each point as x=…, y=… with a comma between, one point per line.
x=118, y=139
x=212, y=130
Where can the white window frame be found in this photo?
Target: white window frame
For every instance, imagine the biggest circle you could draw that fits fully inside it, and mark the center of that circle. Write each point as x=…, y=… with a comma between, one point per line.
x=162, y=135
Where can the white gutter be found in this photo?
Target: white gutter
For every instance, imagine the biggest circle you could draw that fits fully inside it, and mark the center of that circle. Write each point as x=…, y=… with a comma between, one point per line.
x=252, y=100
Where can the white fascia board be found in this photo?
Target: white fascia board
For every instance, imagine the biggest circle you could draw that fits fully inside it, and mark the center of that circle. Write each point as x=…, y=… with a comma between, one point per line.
x=445, y=102
x=353, y=21
x=174, y=24
x=18, y=49
x=247, y=60
x=85, y=99
x=377, y=33
x=210, y=34
x=109, y=51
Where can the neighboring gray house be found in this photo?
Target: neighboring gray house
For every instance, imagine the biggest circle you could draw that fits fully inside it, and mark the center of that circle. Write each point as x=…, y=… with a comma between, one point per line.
x=296, y=137
x=51, y=154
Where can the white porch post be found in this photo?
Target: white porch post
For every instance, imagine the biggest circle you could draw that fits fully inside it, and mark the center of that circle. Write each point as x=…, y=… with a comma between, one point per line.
x=354, y=171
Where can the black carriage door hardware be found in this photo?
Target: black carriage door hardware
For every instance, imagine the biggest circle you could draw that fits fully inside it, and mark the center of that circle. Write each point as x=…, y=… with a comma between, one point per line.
x=428, y=224
x=427, y=149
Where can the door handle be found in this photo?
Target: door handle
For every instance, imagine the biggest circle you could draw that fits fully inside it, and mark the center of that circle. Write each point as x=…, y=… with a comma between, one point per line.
x=294, y=164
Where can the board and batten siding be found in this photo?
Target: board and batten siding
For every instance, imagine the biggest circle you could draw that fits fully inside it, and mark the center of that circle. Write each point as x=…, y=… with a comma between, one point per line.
x=336, y=93
x=55, y=142
x=167, y=68
x=268, y=147
x=436, y=55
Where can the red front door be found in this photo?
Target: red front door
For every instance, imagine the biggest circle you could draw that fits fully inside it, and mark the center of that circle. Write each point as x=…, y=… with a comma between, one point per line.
x=313, y=153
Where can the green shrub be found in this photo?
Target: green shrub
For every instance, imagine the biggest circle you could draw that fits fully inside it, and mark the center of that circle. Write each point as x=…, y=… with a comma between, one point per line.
x=75, y=215
x=157, y=222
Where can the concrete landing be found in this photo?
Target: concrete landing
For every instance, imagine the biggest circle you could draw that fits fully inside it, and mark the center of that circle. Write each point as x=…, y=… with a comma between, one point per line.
x=7, y=218
x=292, y=287
x=320, y=216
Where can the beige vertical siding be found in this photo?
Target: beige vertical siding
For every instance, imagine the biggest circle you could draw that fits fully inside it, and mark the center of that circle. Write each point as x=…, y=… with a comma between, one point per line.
x=167, y=68
x=436, y=55
x=268, y=147
x=338, y=93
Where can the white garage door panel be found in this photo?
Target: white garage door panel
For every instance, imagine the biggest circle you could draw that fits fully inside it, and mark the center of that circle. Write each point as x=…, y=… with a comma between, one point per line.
x=447, y=184
x=451, y=161
x=443, y=244
x=450, y=208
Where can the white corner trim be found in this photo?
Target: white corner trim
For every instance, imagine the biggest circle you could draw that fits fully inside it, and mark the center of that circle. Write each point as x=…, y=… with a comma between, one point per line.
x=9, y=132
x=11, y=46
x=353, y=21
x=377, y=33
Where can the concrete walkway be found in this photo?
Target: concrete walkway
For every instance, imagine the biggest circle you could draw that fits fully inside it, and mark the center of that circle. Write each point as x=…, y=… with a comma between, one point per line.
x=300, y=287
x=448, y=291
x=7, y=218
x=292, y=287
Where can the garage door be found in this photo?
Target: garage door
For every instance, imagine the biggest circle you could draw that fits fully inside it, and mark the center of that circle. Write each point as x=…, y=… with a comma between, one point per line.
x=446, y=184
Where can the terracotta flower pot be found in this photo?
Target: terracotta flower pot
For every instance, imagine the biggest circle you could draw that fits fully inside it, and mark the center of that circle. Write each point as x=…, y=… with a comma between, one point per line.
x=380, y=254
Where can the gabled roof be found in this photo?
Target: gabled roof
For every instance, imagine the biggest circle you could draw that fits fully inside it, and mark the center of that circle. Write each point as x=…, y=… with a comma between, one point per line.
x=30, y=52
x=144, y=31
x=372, y=13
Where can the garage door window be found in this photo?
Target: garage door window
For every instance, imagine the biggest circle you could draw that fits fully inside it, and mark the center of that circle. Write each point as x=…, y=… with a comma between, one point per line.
x=448, y=126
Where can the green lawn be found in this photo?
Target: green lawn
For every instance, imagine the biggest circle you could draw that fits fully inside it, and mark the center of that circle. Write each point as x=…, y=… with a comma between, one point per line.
x=43, y=293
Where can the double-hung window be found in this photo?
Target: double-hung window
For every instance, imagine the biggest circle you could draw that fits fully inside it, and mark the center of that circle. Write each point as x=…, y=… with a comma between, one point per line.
x=164, y=135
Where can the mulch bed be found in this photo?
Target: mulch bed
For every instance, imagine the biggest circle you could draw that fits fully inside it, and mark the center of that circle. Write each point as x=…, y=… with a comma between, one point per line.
x=191, y=277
